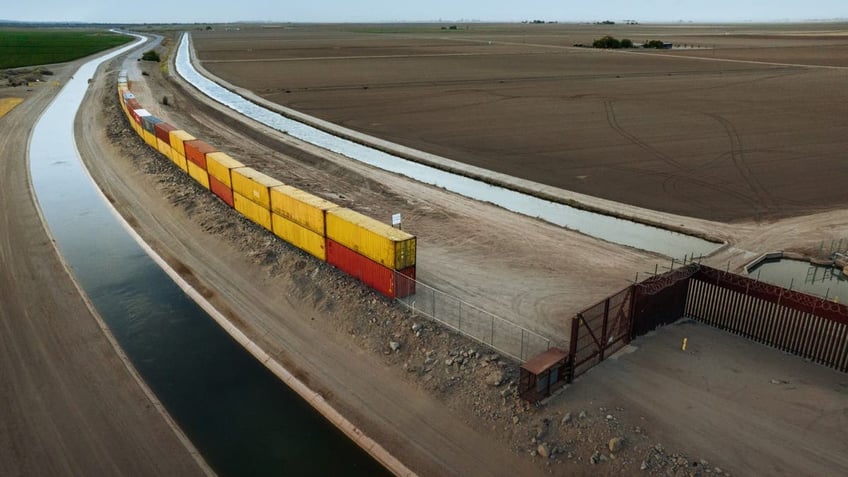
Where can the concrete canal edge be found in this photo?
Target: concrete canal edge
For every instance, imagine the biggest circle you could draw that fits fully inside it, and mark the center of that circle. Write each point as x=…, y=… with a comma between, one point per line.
x=122, y=355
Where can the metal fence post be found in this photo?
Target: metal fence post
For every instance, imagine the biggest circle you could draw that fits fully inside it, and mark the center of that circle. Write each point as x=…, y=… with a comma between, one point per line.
x=434, y=303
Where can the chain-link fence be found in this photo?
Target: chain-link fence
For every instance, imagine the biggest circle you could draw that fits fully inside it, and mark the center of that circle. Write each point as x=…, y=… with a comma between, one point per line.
x=491, y=330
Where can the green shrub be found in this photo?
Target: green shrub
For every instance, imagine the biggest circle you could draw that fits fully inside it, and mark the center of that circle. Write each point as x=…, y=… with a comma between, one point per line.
x=150, y=55
x=607, y=42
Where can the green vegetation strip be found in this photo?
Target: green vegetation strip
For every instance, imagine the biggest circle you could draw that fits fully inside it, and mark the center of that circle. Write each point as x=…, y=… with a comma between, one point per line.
x=24, y=47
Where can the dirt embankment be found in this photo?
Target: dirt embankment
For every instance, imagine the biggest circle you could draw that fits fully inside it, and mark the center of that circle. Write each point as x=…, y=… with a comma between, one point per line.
x=68, y=404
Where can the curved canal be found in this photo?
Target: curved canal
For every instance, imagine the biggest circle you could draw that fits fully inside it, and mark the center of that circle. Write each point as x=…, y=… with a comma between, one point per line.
x=605, y=227
x=242, y=419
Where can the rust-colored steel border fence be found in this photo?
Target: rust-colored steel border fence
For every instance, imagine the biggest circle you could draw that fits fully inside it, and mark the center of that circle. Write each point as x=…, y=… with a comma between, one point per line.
x=599, y=331
x=801, y=324
x=602, y=329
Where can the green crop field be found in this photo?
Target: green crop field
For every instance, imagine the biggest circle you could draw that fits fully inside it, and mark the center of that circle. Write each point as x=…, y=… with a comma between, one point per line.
x=23, y=47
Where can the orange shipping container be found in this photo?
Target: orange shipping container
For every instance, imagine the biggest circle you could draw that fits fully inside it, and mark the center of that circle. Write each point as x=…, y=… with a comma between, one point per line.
x=163, y=131
x=177, y=138
x=254, y=185
x=198, y=174
x=219, y=165
x=299, y=236
x=195, y=151
x=300, y=207
x=252, y=210
x=221, y=190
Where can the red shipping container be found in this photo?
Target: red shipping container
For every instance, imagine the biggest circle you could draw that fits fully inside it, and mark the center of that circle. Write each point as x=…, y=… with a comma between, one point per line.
x=364, y=269
x=133, y=104
x=162, y=131
x=221, y=190
x=405, y=282
x=195, y=151
x=135, y=116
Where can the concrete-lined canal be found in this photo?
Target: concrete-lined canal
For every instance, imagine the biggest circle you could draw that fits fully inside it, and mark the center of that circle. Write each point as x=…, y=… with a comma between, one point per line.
x=605, y=227
x=242, y=419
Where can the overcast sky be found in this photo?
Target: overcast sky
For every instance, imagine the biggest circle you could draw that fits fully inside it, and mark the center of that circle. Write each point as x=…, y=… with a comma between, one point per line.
x=400, y=10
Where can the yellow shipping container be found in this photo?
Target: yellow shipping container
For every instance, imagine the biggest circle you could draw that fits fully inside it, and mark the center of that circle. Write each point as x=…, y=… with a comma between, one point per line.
x=177, y=138
x=301, y=237
x=380, y=242
x=252, y=210
x=197, y=173
x=300, y=207
x=149, y=138
x=219, y=165
x=179, y=160
x=254, y=185
x=163, y=147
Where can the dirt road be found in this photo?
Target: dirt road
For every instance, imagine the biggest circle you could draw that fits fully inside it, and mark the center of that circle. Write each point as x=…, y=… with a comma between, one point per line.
x=68, y=404
x=757, y=409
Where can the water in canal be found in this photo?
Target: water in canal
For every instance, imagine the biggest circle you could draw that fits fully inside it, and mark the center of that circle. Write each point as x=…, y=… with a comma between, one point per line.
x=242, y=419
x=803, y=276
x=605, y=227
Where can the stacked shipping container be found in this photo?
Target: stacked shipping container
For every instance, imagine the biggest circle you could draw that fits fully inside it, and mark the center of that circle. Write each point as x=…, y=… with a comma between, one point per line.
x=362, y=247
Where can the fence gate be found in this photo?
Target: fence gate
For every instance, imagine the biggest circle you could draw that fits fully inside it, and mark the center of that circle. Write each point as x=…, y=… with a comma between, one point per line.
x=660, y=300
x=600, y=331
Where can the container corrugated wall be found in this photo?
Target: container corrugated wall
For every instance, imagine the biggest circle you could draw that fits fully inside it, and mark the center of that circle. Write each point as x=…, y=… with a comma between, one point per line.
x=138, y=114
x=149, y=138
x=219, y=164
x=179, y=160
x=198, y=174
x=299, y=236
x=149, y=123
x=163, y=147
x=177, y=138
x=254, y=185
x=380, y=242
x=367, y=271
x=195, y=151
x=301, y=207
x=221, y=190
x=163, y=131
x=252, y=210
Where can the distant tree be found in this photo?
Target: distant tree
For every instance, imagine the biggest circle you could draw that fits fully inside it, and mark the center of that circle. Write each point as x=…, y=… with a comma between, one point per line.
x=626, y=43
x=606, y=42
x=653, y=44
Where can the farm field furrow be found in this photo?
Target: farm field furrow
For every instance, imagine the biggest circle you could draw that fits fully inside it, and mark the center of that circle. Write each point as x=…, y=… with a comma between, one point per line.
x=719, y=140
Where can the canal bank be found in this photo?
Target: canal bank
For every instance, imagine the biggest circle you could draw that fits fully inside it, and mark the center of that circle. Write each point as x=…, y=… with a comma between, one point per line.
x=66, y=398
x=614, y=223
x=239, y=414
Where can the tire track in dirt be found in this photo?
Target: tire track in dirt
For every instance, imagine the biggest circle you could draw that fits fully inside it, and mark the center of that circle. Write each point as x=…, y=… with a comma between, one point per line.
x=684, y=172
x=737, y=155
